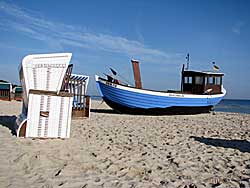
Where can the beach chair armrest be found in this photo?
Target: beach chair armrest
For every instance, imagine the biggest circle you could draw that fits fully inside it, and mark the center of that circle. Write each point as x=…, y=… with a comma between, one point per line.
x=50, y=93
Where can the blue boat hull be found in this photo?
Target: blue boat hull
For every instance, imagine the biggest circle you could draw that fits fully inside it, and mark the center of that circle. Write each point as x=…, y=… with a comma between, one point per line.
x=183, y=110
x=125, y=99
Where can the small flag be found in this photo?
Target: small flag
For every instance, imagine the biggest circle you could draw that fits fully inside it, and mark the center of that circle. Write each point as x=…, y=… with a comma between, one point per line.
x=215, y=67
x=113, y=71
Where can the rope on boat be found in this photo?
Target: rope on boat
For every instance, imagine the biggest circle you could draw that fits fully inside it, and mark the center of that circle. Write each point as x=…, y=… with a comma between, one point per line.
x=100, y=104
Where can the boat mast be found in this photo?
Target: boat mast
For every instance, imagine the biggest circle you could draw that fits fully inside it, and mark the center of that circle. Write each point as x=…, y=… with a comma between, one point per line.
x=137, y=75
x=187, y=61
x=182, y=78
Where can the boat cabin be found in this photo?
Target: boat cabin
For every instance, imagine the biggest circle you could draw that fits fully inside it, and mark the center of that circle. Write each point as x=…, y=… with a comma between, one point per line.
x=199, y=82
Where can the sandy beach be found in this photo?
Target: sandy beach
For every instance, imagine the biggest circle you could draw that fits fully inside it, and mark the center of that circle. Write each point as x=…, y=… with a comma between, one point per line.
x=114, y=150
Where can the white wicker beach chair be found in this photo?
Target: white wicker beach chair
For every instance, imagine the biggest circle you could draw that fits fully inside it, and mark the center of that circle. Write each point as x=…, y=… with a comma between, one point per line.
x=47, y=107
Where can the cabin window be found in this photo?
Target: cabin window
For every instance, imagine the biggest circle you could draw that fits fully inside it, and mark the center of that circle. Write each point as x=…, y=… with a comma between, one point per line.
x=214, y=80
x=217, y=80
x=211, y=80
x=199, y=80
x=188, y=80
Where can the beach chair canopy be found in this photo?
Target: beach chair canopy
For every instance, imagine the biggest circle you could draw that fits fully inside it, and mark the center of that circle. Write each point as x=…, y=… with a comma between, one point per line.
x=18, y=89
x=76, y=80
x=43, y=72
x=5, y=86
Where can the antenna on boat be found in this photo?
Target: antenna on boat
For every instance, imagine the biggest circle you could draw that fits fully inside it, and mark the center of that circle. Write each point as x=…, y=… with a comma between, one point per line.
x=187, y=58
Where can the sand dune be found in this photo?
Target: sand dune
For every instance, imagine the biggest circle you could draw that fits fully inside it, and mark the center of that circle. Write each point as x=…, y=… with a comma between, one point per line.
x=114, y=150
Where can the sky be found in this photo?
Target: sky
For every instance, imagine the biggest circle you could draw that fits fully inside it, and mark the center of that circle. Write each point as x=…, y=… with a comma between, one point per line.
x=158, y=33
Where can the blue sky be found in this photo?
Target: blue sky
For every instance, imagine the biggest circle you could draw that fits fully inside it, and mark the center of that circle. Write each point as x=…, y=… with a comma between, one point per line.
x=103, y=34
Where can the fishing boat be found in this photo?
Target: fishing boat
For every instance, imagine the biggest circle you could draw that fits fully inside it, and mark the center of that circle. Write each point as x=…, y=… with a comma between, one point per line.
x=200, y=92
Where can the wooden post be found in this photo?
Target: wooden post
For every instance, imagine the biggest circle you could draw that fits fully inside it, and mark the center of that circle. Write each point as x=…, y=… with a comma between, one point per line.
x=78, y=96
x=87, y=106
x=137, y=76
x=81, y=101
x=9, y=96
x=74, y=92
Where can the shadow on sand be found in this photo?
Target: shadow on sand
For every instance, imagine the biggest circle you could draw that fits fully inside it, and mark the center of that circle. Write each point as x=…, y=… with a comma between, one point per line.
x=241, y=145
x=9, y=122
x=106, y=111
